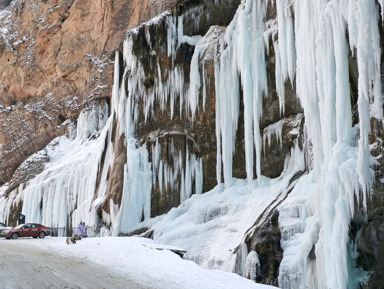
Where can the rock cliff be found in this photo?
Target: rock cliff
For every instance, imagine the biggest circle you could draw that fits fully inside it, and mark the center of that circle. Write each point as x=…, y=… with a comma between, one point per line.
x=55, y=58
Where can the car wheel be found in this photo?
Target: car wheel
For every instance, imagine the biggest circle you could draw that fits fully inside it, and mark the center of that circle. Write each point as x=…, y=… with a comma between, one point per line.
x=41, y=235
x=15, y=236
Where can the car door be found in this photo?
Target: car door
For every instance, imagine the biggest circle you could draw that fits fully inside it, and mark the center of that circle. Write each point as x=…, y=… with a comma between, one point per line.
x=30, y=231
x=24, y=231
x=35, y=230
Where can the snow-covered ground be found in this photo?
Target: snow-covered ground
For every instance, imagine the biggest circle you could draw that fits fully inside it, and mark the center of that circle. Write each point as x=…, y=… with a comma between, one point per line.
x=138, y=258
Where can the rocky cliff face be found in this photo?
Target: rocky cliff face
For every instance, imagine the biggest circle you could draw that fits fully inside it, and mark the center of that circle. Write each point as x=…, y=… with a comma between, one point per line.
x=55, y=58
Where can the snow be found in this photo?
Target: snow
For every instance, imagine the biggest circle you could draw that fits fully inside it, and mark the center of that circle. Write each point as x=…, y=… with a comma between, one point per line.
x=138, y=258
x=212, y=225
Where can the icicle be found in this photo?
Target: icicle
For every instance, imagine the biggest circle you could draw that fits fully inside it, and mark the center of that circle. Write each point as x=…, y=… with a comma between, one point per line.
x=199, y=176
x=273, y=129
x=306, y=75
x=244, y=35
x=172, y=35
x=218, y=125
x=135, y=204
x=148, y=37
x=382, y=9
x=285, y=50
x=252, y=266
x=195, y=83
x=368, y=57
x=205, y=87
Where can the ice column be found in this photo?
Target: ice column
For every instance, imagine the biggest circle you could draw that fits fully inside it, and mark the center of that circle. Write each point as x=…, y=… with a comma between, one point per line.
x=242, y=62
x=135, y=204
x=285, y=49
x=342, y=167
x=368, y=57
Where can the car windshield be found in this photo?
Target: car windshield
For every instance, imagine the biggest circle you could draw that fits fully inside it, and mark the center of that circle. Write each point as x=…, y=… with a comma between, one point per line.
x=19, y=226
x=2, y=225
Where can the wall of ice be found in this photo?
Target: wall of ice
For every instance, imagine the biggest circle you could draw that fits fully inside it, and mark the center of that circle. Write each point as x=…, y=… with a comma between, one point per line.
x=313, y=49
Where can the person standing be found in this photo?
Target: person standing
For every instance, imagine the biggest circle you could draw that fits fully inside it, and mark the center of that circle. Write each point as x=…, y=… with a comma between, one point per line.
x=80, y=229
x=85, y=227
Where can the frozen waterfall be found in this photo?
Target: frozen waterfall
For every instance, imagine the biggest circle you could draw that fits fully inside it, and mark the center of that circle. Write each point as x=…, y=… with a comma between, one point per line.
x=313, y=43
x=315, y=48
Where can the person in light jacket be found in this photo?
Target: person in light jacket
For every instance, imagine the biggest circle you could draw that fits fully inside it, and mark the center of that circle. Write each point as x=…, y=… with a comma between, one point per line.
x=80, y=229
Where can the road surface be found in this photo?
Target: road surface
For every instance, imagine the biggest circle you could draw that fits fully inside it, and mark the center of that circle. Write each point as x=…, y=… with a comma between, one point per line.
x=30, y=267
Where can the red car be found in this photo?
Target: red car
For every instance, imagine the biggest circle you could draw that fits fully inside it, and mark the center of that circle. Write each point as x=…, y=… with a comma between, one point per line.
x=27, y=230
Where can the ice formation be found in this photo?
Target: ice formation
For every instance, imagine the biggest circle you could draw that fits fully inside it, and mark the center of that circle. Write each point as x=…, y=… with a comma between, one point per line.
x=68, y=192
x=316, y=50
x=241, y=64
x=312, y=52
x=342, y=167
x=273, y=129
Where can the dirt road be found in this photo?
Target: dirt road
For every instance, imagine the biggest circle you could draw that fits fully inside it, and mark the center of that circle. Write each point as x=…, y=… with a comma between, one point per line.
x=30, y=267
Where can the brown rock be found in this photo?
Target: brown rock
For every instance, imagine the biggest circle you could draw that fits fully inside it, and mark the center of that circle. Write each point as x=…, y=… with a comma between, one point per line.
x=61, y=48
